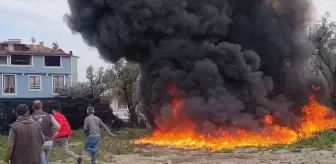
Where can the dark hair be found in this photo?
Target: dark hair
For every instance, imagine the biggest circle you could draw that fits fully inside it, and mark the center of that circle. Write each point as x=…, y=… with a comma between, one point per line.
x=22, y=109
x=90, y=110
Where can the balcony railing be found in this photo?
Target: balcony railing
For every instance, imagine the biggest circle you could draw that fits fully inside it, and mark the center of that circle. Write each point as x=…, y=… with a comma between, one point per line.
x=35, y=87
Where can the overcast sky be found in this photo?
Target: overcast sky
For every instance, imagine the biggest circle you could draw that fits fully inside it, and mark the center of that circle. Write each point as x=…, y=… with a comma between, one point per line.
x=43, y=19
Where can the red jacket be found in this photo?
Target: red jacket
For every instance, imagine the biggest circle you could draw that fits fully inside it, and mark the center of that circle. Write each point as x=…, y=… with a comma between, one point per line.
x=65, y=130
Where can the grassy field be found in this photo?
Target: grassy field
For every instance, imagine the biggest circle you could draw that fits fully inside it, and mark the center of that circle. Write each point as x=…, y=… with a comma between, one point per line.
x=116, y=145
x=119, y=145
x=325, y=140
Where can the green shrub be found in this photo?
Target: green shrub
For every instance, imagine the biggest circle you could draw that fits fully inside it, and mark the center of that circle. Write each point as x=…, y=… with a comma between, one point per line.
x=3, y=147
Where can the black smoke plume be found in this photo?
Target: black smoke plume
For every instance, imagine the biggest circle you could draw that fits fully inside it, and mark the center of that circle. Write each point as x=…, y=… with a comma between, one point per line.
x=233, y=61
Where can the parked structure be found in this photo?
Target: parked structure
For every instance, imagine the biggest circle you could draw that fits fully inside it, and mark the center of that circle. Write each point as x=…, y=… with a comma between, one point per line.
x=34, y=70
x=119, y=110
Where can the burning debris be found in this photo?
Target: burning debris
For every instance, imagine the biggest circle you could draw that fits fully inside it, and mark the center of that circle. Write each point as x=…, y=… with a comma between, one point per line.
x=214, y=73
x=184, y=132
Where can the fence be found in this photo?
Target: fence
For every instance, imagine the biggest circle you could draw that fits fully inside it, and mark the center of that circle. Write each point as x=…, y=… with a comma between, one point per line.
x=73, y=109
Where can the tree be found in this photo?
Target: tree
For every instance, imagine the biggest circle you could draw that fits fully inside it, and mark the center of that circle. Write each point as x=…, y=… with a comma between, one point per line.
x=322, y=35
x=121, y=78
x=125, y=78
x=77, y=90
x=97, y=82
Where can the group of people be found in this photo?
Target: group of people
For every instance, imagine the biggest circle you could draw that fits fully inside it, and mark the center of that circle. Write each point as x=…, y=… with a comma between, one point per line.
x=33, y=135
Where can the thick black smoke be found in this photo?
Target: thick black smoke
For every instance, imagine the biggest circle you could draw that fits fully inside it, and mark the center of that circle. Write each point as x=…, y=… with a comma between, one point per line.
x=233, y=61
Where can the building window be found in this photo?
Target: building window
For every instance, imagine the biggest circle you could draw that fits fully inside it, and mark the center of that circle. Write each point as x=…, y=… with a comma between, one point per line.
x=3, y=60
x=58, y=84
x=52, y=61
x=34, y=83
x=8, y=84
x=21, y=60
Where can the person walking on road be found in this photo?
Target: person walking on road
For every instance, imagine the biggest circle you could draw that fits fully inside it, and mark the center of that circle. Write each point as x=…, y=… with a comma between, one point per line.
x=62, y=139
x=25, y=139
x=92, y=126
x=50, y=128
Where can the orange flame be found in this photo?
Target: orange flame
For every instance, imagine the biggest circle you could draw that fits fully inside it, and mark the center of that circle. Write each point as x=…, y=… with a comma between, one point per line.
x=183, y=134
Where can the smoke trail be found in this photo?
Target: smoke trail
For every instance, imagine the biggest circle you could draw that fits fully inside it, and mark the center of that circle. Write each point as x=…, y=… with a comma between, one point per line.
x=233, y=61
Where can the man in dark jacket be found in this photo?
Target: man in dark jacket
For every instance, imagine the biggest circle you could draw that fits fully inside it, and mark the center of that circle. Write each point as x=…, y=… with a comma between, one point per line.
x=50, y=128
x=62, y=139
x=25, y=139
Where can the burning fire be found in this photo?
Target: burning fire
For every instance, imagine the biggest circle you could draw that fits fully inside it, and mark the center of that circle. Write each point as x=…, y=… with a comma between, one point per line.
x=316, y=118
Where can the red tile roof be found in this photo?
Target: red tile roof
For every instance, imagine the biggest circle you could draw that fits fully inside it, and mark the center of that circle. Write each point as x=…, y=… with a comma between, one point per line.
x=30, y=49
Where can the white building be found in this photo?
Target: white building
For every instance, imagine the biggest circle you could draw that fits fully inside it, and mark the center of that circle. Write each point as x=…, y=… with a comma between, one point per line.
x=118, y=109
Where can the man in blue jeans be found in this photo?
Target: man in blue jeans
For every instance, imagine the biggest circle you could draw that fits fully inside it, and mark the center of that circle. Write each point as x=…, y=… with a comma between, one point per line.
x=92, y=126
x=50, y=128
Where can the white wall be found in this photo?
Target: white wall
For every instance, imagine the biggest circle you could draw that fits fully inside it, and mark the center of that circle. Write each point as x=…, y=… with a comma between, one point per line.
x=118, y=111
x=74, y=69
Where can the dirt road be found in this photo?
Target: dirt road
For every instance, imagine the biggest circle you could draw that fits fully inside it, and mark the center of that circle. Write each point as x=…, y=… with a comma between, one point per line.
x=243, y=156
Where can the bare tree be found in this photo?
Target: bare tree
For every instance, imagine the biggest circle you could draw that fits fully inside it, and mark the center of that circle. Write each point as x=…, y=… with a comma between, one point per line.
x=323, y=37
x=122, y=78
x=97, y=82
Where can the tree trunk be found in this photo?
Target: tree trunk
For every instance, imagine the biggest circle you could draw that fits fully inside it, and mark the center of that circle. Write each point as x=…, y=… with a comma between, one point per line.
x=333, y=91
x=133, y=116
x=92, y=91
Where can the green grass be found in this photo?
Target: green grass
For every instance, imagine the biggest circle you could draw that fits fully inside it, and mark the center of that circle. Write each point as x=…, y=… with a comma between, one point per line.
x=120, y=144
x=110, y=145
x=3, y=147
x=323, y=140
